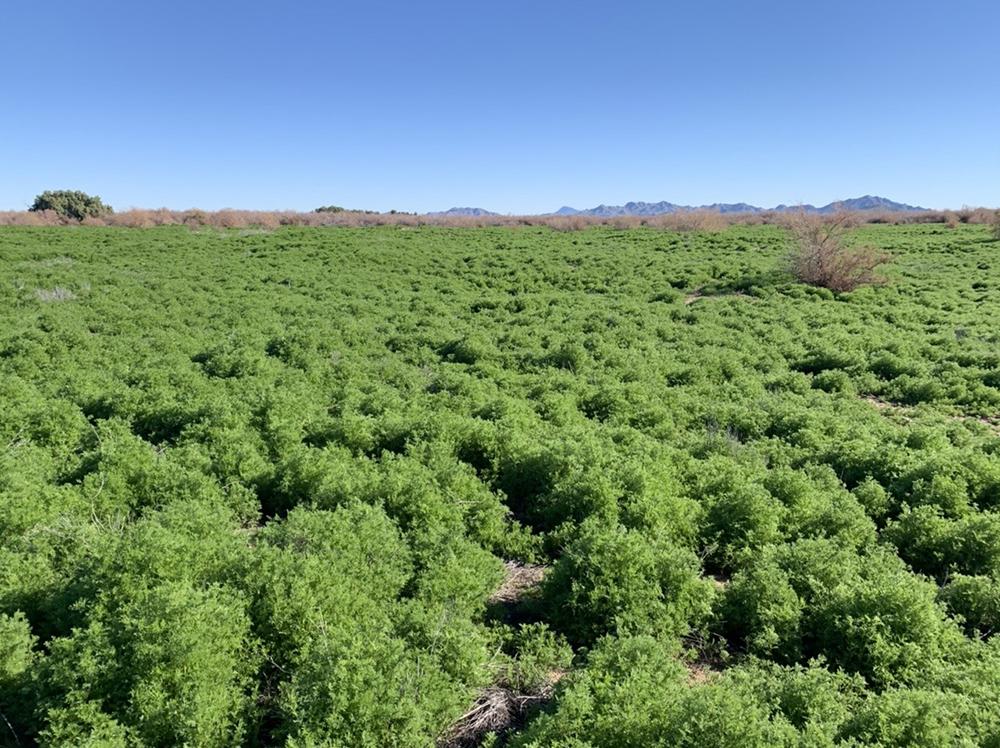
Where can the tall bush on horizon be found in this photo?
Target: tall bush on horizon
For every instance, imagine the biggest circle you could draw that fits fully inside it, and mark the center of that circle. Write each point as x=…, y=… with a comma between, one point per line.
x=70, y=204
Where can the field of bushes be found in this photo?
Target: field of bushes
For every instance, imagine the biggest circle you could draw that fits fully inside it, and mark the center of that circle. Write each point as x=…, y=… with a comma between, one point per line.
x=505, y=486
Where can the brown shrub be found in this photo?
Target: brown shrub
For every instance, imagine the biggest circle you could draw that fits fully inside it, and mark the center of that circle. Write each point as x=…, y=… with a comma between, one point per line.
x=31, y=218
x=694, y=220
x=702, y=220
x=975, y=215
x=995, y=223
x=982, y=216
x=194, y=217
x=822, y=259
x=133, y=218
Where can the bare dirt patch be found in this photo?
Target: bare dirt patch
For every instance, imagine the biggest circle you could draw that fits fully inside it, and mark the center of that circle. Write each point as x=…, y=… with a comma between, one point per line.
x=693, y=297
x=905, y=413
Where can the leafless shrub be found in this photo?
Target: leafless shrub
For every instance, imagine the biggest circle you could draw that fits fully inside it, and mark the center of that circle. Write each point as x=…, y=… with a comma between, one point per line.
x=495, y=710
x=698, y=220
x=31, y=218
x=982, y=215
x=194, y=217
x=974, y=215
x=880, y=216
x=995, y=223
x=54, y=294
x=133, y=219
x=822, y=259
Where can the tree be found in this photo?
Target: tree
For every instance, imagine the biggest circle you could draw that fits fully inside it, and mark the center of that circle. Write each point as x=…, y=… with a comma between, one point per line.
x=71, y=204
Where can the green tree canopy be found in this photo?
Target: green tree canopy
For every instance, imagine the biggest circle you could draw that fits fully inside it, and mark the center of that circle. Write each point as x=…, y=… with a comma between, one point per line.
x=70, y=204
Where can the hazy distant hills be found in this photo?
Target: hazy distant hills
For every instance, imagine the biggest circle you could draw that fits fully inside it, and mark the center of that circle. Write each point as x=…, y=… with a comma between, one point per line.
x=868, y=202
x=475, y=212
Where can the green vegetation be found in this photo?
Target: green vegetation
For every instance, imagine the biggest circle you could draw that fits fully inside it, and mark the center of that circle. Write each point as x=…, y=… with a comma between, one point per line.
x=259, y=488
x=70, y=204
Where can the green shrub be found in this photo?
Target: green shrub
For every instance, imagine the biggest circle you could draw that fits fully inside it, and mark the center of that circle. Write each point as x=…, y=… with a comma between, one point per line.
x=537, y=656
x=70, y=204
x=633, y=693
x=884, y=624
x=873, y=497
x=17, y=661
x=613, y=580
x=818, y=506
x=174, y=665
x=741, y=515
x=331, y=610
x=85, y=724
x=904, y=717
x=933, y=544
x=762, y=613
x=976, y=600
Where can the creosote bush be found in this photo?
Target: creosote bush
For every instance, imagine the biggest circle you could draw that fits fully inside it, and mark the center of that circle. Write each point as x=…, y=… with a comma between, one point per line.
x=821, y=257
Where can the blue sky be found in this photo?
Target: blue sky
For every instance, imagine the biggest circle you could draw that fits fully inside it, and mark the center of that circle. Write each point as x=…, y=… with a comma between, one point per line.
x=517, y=107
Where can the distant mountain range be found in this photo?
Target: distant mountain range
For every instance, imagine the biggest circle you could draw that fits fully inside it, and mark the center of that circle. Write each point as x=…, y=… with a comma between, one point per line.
x=868, y=202
x=474, y=212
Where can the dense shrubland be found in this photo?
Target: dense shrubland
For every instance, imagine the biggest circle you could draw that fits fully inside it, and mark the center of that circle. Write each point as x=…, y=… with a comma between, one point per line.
x=259, y=488
x=43, y=214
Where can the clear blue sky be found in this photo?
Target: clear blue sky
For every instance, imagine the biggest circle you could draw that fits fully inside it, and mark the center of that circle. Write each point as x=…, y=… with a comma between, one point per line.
x=514, y=106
